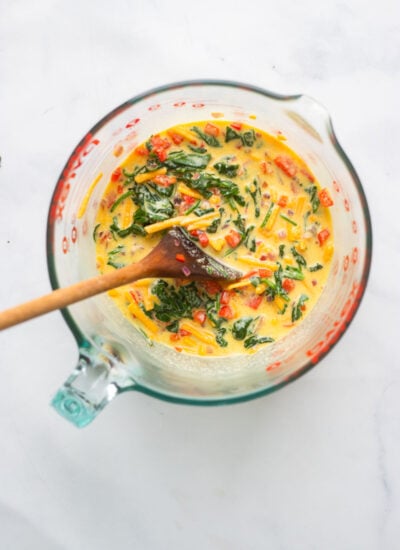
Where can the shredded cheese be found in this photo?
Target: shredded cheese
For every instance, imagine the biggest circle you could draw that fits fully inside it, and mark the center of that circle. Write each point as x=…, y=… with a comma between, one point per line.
x=147, y=176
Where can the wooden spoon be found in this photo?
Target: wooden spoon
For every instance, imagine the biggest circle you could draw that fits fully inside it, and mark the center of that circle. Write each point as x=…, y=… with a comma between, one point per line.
x=175, y=256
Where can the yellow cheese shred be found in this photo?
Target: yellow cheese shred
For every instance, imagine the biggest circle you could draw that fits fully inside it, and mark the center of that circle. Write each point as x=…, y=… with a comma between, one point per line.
x=85, y=200
x=147, y=176
x=135, y=310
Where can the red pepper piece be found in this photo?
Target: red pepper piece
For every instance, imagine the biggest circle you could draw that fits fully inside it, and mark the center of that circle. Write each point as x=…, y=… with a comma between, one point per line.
x=180, y=258
x=323, y=236
x=325, y=198
x=287, y=165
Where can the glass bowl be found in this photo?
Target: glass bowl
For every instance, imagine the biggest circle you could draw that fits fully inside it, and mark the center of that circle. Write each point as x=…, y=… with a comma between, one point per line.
x=113, y=356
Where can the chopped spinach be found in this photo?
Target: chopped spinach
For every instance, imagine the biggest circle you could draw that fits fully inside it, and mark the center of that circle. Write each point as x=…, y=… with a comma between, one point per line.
x=212, y=228
x=287, y=219
x=296, y=308
x=281, y=250
x=198, y=211
x=113, y=263
x=194, y=161
x=204, y=184
x=251, y=244
x=212, y=309
x=298, y=257
x=226, y=169
x=173, y=327
x=175, y=303
x=219, y=338
x=255, y=193
x=248, y=137
x=312, y=190
x=133, y=229
x=195, y=149
x=268, y=215
x=111, y=257
x=210, y=140
x=96, y=227
x=243, y=327
x=315, y=267
x=254, y=340
x=117, y=250
x=293, y=273
x=152, y=207
x=275, y=285
x=231, y=134
x=193, y=207
x=120, y=199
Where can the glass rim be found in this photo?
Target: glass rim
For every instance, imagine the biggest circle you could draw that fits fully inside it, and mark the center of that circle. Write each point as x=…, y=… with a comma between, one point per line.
x=80, y=338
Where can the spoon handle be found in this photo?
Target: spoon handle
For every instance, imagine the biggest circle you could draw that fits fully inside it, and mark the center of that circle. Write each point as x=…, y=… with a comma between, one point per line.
x=63, y=297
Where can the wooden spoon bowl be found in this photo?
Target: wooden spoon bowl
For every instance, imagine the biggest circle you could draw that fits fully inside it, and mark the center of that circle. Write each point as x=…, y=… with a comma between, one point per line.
x=176, y=256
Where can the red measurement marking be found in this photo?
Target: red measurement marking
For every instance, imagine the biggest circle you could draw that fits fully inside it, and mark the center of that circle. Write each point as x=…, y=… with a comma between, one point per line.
x=354, y=255
x=69, y=173
x=339, y=326
x=197, y=105
x=132, y=123
x=346, y=261
x=354, y=226
x=154, y=107
x=65, y=245
x=336, y=186
x=179, y=103
x=74, y=234
x=336, y=268
x=346, y=205
x=273, y=366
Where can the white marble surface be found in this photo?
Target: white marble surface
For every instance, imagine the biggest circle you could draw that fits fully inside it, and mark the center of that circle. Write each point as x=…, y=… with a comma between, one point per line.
x=314, y=466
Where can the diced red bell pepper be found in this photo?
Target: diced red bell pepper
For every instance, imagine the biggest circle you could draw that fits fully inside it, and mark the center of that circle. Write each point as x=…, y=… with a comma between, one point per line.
x=211, y=130
x=283, y=200
x=237, y=126
x=288, y=285
x=233, y=238
x=180, y=258
x=142, y=151
x=162, y=154
x=187, y=199
x=200, y=316
x=160, y=146
x=226, y=312
x=265, y=273
x=183, y=332
x=307, y=174
x=164, y=180
x=176, y=138
x=225, y=297
x=325, y=198
x=323, y=236
x=265, y=168
x=212, y=287
x=287, y=165
x=203, y=239
x=116, y=174
x=255, y=301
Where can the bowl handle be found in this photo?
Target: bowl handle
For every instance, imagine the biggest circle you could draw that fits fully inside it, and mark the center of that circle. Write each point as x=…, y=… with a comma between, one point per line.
x=93, y=384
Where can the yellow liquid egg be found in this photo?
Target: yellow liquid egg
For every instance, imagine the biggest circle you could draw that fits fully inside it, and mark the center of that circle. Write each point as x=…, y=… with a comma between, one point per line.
x=246, y=199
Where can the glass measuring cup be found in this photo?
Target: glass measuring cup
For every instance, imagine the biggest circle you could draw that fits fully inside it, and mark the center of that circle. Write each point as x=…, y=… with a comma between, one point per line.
x=115, y=357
